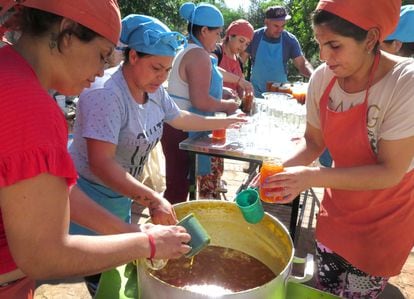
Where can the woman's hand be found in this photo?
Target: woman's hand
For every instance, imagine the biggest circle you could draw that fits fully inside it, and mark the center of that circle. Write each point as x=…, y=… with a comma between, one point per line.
x=229, y=93
x=235, y=121
x=230, y=106
x=231, y=121
x=289, y=183
x=170, y=241
x=246, y=86
x=161, y=211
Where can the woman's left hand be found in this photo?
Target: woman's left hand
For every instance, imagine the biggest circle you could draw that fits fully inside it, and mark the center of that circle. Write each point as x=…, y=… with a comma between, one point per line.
x=246, y=86
x=162, y=212
x=289, y=183
x=229, y=93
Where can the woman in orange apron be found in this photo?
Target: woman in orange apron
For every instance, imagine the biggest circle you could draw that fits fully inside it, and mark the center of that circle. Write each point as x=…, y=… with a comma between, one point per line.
x=360, y=107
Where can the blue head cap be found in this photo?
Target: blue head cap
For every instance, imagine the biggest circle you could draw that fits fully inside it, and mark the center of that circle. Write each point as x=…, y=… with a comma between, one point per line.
x=203, y=14
x=405, y=28
x=148, y=35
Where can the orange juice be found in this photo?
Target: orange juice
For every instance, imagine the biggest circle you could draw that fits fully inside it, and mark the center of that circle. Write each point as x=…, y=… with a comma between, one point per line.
x=219, y=134
x=299, y=92
x=299, y=95
x=274, y=87
x=247, y=103
x=269, y=85
x=285, y=88
x=269, y=167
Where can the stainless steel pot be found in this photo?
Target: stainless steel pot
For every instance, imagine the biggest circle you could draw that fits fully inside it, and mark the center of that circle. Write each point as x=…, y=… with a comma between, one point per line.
x=268, y=241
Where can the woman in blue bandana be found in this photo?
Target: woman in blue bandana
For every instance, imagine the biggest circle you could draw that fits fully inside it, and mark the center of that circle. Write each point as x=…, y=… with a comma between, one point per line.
x=196, y=85
x=401, y=41
x=120, y=119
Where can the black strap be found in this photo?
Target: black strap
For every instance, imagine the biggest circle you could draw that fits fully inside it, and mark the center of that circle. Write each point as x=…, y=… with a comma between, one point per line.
x=218, y=51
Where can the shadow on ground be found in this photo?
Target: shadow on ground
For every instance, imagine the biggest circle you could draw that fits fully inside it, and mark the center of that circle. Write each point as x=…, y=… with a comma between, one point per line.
x=392, y=292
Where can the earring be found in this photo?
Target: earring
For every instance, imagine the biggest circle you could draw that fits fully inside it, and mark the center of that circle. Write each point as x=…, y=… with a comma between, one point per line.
x=53, y=41
x=52, y=44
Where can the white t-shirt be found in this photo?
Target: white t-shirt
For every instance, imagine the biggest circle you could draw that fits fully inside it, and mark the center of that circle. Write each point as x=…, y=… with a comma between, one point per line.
x=177, y=87
x=390, y=102
x=108, y=112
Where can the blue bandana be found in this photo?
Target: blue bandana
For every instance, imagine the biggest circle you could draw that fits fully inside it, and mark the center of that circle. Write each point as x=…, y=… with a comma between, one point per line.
x=203, y=14
x=405, y=29
x=148, y=35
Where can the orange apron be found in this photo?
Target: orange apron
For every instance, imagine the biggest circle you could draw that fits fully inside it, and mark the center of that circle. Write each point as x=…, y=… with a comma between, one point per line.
x=374, y=229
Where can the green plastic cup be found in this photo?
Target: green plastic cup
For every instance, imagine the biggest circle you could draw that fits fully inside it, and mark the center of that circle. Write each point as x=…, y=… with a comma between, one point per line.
x=250, y=205
x=199, y=236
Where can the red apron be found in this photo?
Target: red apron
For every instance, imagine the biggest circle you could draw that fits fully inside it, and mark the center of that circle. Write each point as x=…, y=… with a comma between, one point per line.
x=374, y=229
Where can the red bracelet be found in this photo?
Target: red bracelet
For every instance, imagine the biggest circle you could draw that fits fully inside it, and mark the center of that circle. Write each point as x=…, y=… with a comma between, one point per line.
x=152, y=246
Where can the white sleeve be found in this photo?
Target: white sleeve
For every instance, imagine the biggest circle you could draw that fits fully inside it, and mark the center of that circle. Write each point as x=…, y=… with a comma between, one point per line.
x=317, y=85
x=398, y=116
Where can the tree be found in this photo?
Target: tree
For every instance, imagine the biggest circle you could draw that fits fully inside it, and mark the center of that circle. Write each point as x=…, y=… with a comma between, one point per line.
x=166, y=11
x=301, y=26
x=256, y=14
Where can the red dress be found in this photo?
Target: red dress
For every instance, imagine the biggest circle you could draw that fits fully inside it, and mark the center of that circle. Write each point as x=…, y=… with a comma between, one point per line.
x=232, y=66
x=33, y=135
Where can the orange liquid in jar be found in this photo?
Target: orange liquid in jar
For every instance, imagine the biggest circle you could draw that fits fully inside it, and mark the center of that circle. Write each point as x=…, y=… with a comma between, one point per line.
x=269, y=168
x=300, y=96
x=219, y=134
x=269, y=85
x=274, y=87
x=285, y=89
x=299, y=92
x=247, y=103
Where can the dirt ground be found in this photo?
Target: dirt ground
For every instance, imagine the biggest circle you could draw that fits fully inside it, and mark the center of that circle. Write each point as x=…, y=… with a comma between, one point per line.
x=399, y=287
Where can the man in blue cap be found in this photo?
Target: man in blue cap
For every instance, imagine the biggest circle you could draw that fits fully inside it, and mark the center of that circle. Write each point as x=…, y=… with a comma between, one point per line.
x=401, y=41
x=270, y=50
x=120, y=120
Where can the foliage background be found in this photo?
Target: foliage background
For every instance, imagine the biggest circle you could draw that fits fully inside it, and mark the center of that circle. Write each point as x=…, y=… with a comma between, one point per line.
x=299, y=25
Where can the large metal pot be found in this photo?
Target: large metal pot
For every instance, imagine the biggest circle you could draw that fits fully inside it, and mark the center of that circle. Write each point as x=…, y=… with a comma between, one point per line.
x=268, y=241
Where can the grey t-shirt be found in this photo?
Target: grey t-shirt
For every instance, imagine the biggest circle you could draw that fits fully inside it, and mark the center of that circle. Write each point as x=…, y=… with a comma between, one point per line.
x=107, y=112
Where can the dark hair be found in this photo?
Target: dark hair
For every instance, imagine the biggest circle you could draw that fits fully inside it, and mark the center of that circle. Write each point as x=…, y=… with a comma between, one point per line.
x=227, y=38
x=338, y=25
x=196, y=29
x=406, y=50
x=38, y=23
x=126, y=54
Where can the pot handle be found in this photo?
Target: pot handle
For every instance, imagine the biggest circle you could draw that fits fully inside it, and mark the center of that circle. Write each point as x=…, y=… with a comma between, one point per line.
x=308, y=272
